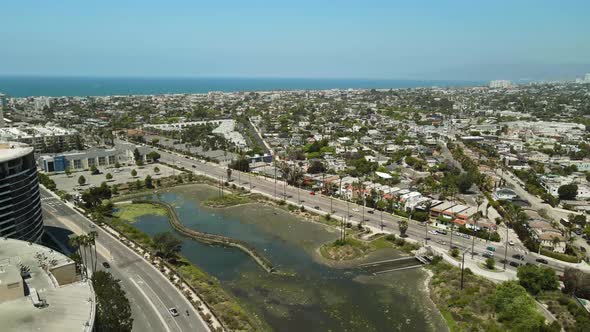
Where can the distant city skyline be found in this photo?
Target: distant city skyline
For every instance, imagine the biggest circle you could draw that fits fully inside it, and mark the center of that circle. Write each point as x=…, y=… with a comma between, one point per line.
x=425, y=40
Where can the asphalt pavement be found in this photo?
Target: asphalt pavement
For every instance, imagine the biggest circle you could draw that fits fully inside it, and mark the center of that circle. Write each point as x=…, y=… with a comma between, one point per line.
x=150, y=293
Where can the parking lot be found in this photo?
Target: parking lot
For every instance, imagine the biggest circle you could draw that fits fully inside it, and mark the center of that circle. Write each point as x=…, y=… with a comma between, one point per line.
x=120, y=175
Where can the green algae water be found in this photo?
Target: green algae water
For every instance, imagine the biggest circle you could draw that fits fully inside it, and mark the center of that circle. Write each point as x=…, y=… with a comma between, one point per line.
x=312, y=294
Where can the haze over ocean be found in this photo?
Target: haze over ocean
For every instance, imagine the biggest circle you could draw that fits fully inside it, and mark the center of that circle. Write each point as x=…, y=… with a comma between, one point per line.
x=24, y=86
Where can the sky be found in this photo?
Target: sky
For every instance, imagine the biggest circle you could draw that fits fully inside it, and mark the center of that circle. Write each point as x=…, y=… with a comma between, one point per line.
x=374, y=39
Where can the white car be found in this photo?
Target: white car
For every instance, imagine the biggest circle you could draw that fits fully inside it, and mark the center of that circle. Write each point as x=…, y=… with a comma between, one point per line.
x=511, y=242
x=433, y=232
x=173, y=311
x=355, y=210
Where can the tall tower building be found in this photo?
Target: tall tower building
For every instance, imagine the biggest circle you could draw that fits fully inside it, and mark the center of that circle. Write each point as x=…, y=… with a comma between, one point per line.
x=2, y=106
x=20, y=200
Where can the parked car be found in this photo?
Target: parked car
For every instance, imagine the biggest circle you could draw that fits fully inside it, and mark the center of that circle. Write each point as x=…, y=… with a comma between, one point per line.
x=518, y=256
x=312, y=193
x=488, y=255
x=316, y=207
x=106, y=265
x=371, y=211
x=511, y=242
x=490, y=248
x=542, y=260
x=515, y=264
x=173, y=311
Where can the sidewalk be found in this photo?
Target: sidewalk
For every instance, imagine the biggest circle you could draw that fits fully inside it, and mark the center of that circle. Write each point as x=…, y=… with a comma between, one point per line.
x=499, y=276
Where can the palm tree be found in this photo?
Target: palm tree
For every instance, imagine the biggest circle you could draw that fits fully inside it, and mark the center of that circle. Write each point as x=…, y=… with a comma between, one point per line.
x=92, y=241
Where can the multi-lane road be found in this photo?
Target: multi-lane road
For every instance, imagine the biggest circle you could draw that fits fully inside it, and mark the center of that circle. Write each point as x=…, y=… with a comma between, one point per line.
x=340, y=209
x=150, y=293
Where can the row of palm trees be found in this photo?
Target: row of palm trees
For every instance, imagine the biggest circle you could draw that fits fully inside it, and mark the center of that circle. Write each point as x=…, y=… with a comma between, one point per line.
x=85, y=246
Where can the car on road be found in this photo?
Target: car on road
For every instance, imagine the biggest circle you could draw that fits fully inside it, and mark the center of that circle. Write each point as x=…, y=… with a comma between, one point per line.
x=371, y=211
x=355, y=210
x=316, y=207
x=511, y=242
x=491, y=253
x=490, y=248
x=542, y=260
x=173, y=311
x=106, y=265
x=92, y=226
x=194, y=166
x=312, y=193
x=487, y=255
x=433, y=232
x=518, y=256
x=441, y=232
x=515, y=264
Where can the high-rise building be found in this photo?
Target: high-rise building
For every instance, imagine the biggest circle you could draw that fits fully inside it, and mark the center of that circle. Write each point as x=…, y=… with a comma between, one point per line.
x=587, y=78
x=20, y=201
x=2, y=106
x=502, y=84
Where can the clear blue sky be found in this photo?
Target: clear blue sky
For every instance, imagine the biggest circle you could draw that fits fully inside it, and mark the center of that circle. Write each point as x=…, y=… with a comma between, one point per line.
x=415, y=39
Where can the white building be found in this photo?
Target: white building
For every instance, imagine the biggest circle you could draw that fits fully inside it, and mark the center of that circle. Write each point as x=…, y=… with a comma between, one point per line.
x=502, y=84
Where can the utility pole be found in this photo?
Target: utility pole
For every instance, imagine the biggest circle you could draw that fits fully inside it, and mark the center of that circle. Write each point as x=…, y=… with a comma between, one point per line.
x=250, y=180
x=473, y=240
x=462, y=269
x=275, y=181
x=452, y=227
x=506, y=249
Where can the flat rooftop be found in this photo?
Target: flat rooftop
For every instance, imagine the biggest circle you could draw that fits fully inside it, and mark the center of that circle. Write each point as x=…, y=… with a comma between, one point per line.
x=12, y=150
x=70, y=307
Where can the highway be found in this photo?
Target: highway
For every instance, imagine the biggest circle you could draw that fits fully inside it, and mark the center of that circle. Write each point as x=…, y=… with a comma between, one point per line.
x=150, y=293
x=340, y=209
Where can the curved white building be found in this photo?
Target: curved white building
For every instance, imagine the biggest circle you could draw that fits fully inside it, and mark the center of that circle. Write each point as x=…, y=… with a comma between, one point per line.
x=20, y=202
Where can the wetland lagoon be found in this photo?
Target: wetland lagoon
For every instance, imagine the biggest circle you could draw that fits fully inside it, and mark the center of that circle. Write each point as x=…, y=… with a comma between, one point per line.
x=312, y=294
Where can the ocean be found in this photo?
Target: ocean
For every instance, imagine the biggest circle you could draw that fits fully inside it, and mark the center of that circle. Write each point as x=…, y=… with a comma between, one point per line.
x=25, y=86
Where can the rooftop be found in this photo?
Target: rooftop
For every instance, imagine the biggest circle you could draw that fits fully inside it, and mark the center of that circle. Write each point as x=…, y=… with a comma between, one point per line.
x=70, y=302
x=12, y=150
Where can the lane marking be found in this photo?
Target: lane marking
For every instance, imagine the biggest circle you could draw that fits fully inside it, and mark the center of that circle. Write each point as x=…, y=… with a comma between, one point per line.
x=143, y=282
x=162, y=320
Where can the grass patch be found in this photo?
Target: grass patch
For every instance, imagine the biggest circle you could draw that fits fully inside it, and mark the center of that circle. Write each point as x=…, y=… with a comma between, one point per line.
x=401, y=243
x=131, y=232
x=345, y=250
x=131, y=212
x=226, y=200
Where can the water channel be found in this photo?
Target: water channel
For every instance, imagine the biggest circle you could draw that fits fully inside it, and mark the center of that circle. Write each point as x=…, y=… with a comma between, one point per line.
x=317, y=296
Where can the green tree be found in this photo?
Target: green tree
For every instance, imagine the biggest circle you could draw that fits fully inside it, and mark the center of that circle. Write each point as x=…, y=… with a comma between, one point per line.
x=490, y=263
x=537, y=278
x=148, y=182
x=167, y=245
x=109, y=176
x=113, y=311
x=316, y=167
x=133, y=173
x=68, y=172
x=403, y=227
x=137, y=157
x=156, y=170
x=568, y=191
x=155, y=156
x=515, y=308
x=81, y=180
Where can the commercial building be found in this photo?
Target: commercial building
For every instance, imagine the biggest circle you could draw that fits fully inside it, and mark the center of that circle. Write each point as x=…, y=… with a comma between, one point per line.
x=100, y=158
x=40, y=290
x=20, y=201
